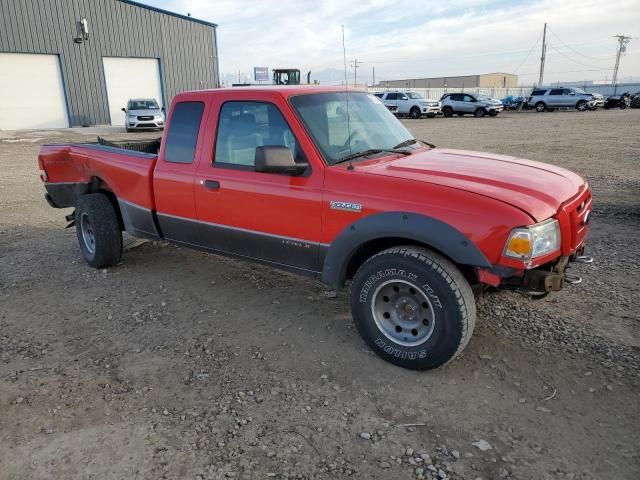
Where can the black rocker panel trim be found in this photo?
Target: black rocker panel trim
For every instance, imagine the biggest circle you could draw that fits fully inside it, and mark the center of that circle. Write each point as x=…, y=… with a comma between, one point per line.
x=287, y=252
x=412, y=226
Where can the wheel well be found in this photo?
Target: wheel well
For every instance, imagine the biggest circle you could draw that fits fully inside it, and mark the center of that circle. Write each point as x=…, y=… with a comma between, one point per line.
x=98, y=185
x=372, y=247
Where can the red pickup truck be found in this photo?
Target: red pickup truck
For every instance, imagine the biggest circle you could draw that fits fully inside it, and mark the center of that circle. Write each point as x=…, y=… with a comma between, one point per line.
x=328, y=183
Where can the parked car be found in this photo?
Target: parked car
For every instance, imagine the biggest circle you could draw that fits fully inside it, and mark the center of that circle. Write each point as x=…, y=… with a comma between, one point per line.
x=513, y=102
x=476, y=104
x=278, y=176
x=411, y=103
x=143, y=114
x=390, y=106
x=635, y=100
x=596, y=102
x=618, y=101
x=550, y=99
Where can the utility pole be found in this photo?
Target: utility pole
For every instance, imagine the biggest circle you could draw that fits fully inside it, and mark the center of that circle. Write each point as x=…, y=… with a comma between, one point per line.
x=373, y=73
x=544, y=54
x=355, y=64
x=623, y=41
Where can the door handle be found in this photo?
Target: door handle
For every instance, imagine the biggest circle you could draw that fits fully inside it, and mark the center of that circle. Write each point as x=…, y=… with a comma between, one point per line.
x=212, y=185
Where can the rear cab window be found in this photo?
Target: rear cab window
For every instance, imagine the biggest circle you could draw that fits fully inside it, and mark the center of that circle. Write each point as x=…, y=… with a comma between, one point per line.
x=183, y=132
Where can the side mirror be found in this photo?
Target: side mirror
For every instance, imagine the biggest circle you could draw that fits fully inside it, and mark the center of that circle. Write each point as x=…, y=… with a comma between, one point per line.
x=572, y=93
x=124, y=109
x=276, y=159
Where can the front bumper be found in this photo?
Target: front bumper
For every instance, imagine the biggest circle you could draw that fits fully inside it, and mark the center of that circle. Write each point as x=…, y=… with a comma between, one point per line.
x=144, y=124
x=550, y=277
x=431, y=110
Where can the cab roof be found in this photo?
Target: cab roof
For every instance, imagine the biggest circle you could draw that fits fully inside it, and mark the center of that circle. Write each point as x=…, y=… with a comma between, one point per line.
x=284, y=90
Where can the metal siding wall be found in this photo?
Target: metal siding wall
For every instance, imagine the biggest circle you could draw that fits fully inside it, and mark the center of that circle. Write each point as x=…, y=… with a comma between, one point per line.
x=186, y=48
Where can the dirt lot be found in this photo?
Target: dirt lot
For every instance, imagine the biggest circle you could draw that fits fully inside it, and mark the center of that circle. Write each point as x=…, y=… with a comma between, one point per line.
x=179, y=364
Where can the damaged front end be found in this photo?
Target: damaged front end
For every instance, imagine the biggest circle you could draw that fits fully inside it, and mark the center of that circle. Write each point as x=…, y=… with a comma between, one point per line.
x=539, y=281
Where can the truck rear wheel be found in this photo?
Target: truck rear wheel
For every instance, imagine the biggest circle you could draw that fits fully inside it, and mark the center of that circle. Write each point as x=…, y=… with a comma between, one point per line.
x=98, y=230
x=413, y=307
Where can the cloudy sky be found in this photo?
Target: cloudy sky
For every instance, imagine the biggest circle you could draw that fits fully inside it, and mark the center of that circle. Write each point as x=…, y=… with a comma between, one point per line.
x=410, y=38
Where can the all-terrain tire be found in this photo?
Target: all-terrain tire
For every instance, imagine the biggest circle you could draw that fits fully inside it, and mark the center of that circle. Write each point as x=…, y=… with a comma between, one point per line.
x=444, y=299
x=98, y=230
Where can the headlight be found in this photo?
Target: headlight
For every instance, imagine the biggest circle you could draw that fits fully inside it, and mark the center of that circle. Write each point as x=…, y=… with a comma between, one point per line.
x=534, y=241
x=132, y=117
x=424, y=104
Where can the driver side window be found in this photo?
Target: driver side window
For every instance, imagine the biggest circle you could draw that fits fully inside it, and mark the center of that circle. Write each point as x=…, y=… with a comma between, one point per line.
x=244, y=126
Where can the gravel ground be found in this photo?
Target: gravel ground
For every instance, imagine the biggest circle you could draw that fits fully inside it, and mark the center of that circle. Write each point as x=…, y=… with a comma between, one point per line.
x=179, y=364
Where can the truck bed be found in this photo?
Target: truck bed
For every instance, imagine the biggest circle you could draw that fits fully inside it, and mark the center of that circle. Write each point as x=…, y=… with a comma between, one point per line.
x=72, y=168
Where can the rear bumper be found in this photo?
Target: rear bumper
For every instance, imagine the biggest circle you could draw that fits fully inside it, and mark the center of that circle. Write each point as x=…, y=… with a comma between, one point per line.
x=64, y=195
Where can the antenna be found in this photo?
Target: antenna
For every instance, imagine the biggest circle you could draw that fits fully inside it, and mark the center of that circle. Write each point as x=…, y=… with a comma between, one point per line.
x=346, y=96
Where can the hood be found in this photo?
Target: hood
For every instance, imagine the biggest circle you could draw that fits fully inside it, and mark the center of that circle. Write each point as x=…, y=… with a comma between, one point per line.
x=145, y=112
x=536, y=188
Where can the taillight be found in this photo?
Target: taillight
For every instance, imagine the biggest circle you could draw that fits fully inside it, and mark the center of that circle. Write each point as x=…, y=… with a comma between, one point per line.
x=43, y=174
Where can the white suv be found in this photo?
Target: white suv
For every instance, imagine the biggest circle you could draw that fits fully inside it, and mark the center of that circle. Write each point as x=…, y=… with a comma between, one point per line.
x=411, y=103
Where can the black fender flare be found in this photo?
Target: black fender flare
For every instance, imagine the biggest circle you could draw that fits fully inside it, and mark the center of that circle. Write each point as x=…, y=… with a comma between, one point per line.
x=412, y=226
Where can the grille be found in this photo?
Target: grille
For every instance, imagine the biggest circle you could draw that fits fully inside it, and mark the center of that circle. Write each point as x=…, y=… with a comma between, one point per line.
x=145, y=117
x=579, y=212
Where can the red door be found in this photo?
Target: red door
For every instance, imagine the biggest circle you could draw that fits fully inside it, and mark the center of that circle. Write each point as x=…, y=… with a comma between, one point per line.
x=265, y=216
x=173, y=177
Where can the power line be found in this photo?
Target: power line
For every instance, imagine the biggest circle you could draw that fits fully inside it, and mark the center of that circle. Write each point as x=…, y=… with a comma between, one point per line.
x=525, y=58
x=571, y=48
x=574, y=60
x=355, y=64
x=623, y=41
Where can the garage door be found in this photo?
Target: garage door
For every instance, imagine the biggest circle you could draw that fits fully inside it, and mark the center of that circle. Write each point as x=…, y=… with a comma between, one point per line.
x=31, y=92
x=130, y=78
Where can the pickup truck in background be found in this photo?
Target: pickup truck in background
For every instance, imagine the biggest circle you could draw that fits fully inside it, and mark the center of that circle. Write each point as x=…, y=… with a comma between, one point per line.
x=282, y=176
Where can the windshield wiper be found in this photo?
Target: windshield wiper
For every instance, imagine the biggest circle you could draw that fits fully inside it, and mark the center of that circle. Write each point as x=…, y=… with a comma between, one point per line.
x=371, y=151
x=411, y=141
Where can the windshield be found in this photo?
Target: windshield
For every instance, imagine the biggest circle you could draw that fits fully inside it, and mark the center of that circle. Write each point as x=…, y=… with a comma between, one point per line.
x=483, y=97
x=579, y=91
x=369, y=125
x=143, y=105
x=414, y=95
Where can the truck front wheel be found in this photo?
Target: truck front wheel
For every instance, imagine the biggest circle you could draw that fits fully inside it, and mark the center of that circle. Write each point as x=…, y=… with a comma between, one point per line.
x=98, y=230
x=413, y=307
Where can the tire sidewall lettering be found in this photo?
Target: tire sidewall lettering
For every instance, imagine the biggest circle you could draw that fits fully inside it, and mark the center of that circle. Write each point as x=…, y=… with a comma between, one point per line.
x=400, y=274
